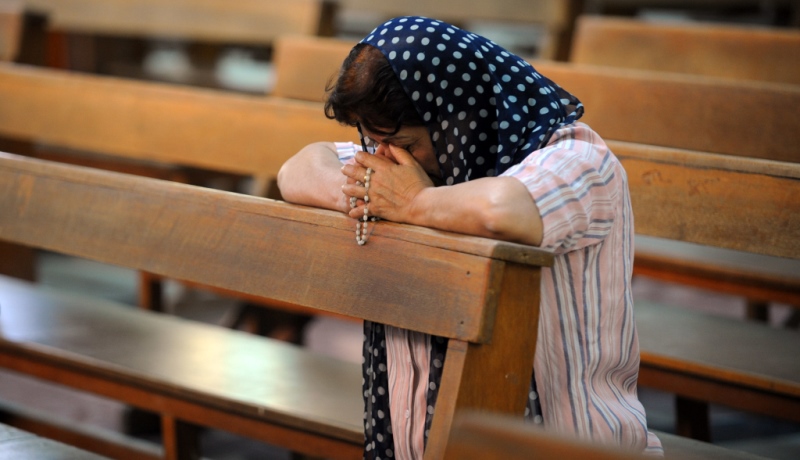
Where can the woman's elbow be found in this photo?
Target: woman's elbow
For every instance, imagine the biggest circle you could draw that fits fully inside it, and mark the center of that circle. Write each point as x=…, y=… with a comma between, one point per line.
x=510, y=214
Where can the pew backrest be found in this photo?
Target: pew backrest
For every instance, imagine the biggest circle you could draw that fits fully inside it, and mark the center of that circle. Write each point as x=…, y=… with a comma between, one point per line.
x=296, y=255
x=745, y=204
x=217, y=130
x=685, y=111
x=767, y=54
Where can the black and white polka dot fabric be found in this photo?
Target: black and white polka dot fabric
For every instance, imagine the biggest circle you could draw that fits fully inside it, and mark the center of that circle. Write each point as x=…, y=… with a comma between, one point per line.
x=486, y=109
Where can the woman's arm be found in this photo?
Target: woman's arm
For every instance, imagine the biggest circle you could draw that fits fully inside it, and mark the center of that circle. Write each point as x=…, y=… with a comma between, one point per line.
x=313, y=177
x=400, y=191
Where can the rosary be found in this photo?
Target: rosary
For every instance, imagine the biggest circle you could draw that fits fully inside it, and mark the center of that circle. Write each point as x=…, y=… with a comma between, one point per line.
x=361, y=225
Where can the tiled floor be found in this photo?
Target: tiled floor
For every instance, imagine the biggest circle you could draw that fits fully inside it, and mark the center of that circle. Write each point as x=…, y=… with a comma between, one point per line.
x=760, y=435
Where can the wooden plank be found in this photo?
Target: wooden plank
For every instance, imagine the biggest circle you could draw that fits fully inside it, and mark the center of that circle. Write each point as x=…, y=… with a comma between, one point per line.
x=728, y=202
x=685, y=111
x=239, y=21
x=204, y=128
x=227, y=237
x=732, y=51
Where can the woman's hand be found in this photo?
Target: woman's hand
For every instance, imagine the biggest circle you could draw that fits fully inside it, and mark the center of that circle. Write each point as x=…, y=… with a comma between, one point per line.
x=396, y=180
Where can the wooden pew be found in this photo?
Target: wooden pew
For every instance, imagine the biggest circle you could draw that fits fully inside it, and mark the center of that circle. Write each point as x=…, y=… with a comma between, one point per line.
x=730, y=51
x=495, y=437
x=727, y=202
x=195, y=374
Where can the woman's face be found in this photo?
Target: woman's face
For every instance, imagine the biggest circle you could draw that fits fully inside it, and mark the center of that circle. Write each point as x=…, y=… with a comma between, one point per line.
x=414, y=139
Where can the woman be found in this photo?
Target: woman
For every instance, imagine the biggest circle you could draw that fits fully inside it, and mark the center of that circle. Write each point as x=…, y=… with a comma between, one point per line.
x=467, y=137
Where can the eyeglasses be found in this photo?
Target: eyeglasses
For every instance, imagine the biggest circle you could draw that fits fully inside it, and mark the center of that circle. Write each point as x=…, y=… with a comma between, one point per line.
x=367, y=144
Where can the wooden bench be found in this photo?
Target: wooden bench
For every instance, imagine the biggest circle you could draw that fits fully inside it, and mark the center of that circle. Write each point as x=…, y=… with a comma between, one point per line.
x=730, y=51
x=728, y=202
x=18, y=444
x=194, y=374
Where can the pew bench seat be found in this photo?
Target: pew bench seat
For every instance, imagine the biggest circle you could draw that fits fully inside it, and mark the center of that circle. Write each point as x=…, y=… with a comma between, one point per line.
x=757, y=277
x=204, y=375
x=195, y=373
x=704, y=357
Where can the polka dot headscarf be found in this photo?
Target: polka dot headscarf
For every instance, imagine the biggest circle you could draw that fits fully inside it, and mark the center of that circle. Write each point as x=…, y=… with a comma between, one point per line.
x=485, y=108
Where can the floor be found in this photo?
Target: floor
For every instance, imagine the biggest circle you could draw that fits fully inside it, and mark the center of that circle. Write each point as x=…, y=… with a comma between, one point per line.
x=760, y=435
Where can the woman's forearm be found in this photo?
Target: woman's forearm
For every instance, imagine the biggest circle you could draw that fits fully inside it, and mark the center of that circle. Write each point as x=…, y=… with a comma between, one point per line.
x=313, y=177
x=493, y=207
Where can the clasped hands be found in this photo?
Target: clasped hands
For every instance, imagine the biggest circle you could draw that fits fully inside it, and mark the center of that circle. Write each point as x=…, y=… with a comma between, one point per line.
x=396, y=181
